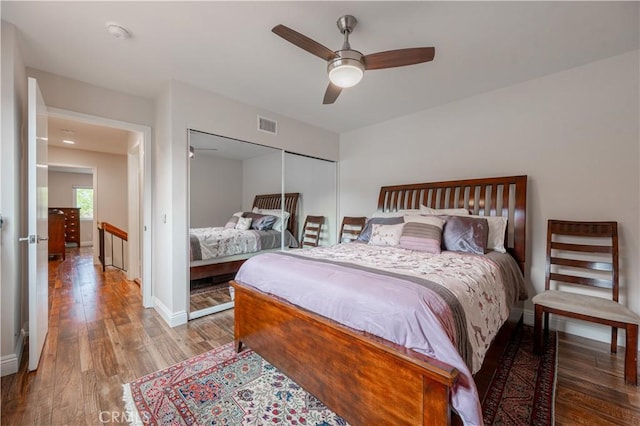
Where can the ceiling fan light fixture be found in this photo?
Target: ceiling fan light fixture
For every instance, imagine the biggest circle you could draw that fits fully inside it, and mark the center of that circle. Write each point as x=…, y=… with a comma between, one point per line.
x=346, y=70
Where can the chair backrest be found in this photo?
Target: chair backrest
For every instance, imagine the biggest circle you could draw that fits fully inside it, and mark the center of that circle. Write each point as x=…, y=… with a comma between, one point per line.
x=583, y=253
x=351, y=228
x=311, y=231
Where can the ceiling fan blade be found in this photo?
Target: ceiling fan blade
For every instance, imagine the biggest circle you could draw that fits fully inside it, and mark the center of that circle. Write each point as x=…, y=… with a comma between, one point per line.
x=304, y=42
x=331, y=94
x=398, y=58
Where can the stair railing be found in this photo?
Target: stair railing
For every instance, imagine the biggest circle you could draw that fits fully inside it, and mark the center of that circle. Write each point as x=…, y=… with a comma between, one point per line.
x=107, y=233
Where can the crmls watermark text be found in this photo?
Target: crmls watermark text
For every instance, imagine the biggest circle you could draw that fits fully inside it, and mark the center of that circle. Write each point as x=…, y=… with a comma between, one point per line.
x=110, y=417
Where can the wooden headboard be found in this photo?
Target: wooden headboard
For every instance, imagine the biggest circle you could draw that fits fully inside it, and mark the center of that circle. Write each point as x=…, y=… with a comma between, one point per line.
x=274, y=202
x=501, y=196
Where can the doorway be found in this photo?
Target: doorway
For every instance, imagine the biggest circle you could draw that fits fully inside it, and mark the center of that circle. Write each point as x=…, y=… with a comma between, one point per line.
x=125, y=164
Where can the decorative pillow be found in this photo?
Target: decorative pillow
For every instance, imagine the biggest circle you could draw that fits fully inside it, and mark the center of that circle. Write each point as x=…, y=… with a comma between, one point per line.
x=385, y=235
x=282, y=217
x=231, y=223
x=244, y=223
x=264, y=223
x=261, y=222
x=466, y=234
x=365, y=235
x=422, y=233
x=497, y=230
x=438, y=212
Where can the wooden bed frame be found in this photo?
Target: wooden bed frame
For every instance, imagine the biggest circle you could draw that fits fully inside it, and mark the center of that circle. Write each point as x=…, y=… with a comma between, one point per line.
x=264, y=201
x=364, y=378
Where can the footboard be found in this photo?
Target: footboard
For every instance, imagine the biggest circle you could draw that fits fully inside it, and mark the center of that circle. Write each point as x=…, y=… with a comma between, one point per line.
x=365, y=379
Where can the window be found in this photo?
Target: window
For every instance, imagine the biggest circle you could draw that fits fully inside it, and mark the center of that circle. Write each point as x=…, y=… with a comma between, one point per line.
x=83, y=197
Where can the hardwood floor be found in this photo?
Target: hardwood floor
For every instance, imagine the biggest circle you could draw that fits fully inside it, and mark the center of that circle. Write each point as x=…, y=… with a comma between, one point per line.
x=100, y=337
x=208, y=297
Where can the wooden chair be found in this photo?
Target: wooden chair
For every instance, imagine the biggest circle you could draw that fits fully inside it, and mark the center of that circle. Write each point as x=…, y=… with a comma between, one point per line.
x=576, y=255
x=311, y=231
x=351, y=228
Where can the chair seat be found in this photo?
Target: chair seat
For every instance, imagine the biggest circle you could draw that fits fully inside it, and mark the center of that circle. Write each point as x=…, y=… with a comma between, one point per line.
x=593, y=306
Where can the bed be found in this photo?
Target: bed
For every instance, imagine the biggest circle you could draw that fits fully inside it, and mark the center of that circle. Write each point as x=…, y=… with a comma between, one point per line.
x=365, y=378
x=229, y=264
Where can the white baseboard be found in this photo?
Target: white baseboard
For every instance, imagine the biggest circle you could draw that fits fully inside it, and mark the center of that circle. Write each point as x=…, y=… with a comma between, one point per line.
x=9, y=364
x=86, y=243
x=174, y=319
x=589, y=330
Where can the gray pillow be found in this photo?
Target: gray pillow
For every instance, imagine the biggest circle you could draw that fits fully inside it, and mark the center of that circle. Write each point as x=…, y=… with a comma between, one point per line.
x=260, y=222
x=465, y=234
x=365, y=235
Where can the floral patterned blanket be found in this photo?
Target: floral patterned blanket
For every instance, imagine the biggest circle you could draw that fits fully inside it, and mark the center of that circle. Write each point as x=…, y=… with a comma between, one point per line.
x=447, y=306
x=207, y=243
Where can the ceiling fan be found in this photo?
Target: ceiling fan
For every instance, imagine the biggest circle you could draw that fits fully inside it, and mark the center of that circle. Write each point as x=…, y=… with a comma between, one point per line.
x=346, y=66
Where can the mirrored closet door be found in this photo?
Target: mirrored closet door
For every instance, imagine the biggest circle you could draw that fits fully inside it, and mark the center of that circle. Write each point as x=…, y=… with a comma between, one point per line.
x=237, y=210
x=234, y=212
x=315, y=180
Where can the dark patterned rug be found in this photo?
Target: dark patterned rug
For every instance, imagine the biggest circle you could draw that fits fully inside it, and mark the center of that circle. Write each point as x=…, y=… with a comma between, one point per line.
x=221, y=387
x=522, y=391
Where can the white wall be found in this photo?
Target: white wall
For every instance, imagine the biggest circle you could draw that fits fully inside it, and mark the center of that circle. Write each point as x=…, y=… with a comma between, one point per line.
x=12, y=121
x=261, y=175
x=73, y=95
x=61, y=186
x=111, y=190
x=161, y=175
x=188, y=107
x=575, y=134
x=215, y=190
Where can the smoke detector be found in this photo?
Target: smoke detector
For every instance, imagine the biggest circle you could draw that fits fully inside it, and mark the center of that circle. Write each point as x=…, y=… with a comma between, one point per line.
x=117, y=30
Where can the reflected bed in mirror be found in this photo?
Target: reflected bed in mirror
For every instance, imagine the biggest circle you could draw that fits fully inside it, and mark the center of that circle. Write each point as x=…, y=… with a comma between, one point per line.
x=218, y=251
x=228, y=178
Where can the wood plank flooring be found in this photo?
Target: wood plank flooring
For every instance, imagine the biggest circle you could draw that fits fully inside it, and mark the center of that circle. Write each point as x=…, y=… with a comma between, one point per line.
x=100, y=337
x=208, y=297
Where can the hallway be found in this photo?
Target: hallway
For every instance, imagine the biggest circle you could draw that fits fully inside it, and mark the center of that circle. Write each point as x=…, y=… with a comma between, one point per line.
x=99, y=338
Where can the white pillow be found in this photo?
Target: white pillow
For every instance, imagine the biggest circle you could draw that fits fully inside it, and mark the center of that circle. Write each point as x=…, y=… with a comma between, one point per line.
x=281, y=215
x=239, y=214
x=429, y=220
x=429, y=210
x=385, y=235
x=397, y=213
x=244, y=223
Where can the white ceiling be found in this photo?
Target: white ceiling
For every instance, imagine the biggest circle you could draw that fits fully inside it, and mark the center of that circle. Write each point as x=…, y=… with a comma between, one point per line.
x=228, y=48
x=88, y=137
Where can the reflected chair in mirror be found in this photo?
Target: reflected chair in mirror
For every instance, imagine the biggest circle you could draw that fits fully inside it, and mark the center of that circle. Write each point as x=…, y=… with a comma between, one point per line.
x=585, y=255
x=311, y=231
x=351, y=228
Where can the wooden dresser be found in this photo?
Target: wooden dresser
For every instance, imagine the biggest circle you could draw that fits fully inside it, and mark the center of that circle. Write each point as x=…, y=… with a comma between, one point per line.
x=56, y=233
x=71, y=224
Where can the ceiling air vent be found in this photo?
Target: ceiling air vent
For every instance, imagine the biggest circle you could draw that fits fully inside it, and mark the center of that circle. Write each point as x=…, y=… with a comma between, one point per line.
x=267, y=125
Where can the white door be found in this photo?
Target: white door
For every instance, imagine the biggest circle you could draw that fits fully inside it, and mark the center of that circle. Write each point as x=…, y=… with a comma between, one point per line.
x=38, y=203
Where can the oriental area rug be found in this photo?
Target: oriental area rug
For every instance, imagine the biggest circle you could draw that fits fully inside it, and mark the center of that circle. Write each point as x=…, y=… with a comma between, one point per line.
x=221, y=387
